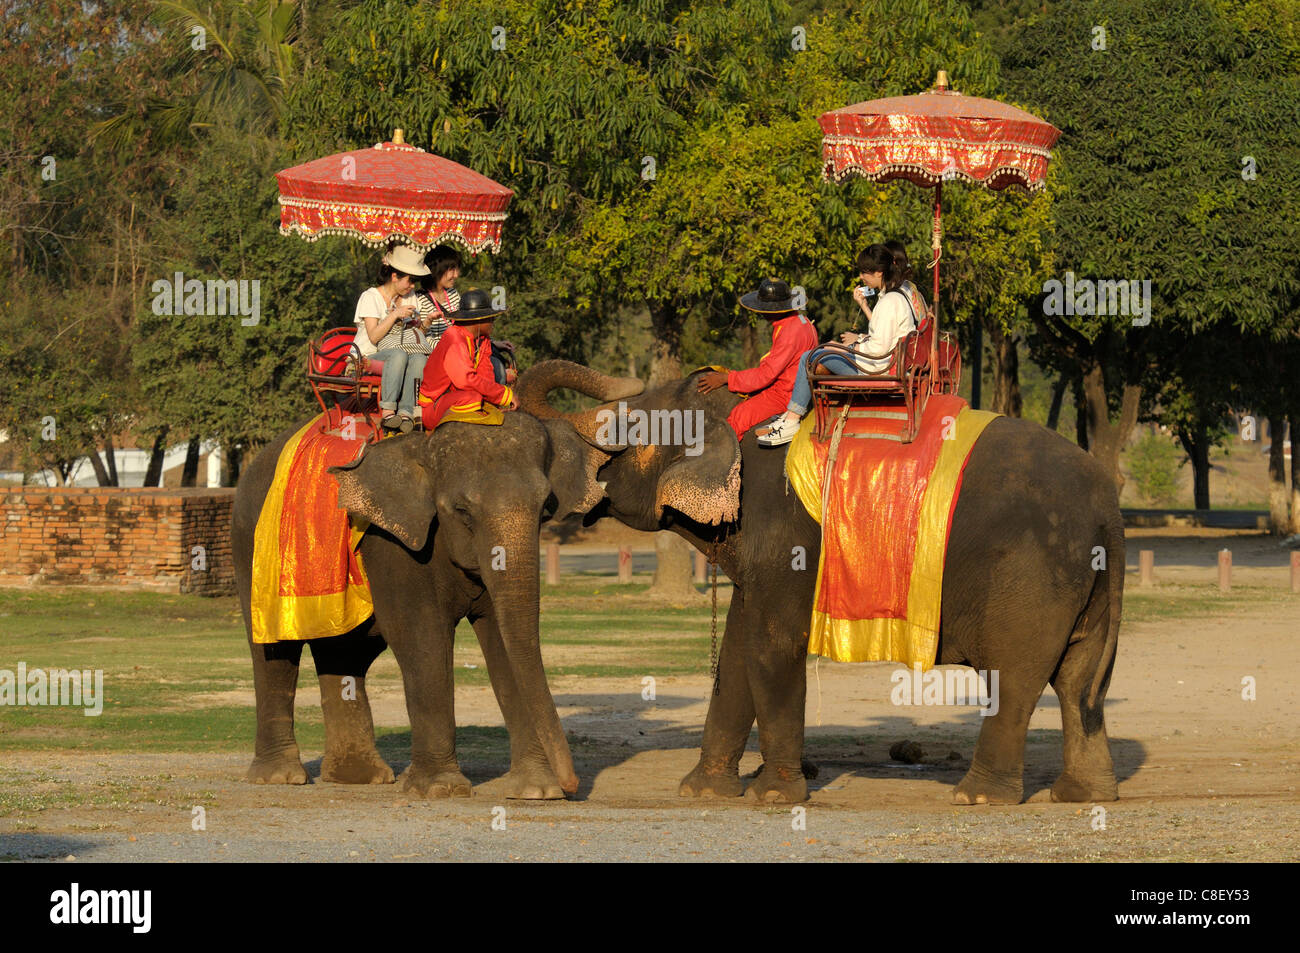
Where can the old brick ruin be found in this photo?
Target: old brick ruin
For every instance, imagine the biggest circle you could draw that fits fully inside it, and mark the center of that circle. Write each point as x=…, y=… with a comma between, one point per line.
x=171, y=540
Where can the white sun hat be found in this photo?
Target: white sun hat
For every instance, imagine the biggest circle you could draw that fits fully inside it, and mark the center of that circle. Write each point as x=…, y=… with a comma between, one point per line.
x=407, y=260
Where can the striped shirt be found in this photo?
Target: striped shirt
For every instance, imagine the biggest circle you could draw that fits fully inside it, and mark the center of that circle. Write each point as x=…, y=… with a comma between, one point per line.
x=438, y=316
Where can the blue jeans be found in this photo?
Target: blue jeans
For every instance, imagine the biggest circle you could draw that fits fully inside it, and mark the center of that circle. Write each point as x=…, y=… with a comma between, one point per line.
x=397, y=386
x=801, y=396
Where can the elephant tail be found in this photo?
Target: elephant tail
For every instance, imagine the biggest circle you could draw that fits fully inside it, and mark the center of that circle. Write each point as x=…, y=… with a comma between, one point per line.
x=1109, y=612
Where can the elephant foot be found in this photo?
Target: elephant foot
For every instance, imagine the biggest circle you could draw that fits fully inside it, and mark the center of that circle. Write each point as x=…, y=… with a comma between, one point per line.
x=435, y=784
x=365, y=768
x=985, y=789
x=779, y=786
x=704, y=783
x=533, y=783
x=1071, y=790
x=277, y=769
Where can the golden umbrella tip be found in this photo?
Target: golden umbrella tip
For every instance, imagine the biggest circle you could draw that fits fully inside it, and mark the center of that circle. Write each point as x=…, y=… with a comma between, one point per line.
x=941, y=81
x=399, y=137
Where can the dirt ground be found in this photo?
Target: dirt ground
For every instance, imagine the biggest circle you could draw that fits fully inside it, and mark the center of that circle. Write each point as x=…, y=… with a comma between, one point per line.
x=1205, y=774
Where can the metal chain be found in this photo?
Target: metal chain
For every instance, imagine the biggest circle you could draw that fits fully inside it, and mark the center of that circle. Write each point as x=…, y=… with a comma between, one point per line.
x=713, y=625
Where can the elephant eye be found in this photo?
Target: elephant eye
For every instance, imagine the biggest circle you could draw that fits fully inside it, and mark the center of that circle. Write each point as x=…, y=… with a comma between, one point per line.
x=463, y=512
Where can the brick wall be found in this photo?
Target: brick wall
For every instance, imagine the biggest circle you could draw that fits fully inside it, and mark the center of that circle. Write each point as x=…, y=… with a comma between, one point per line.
x=117, y=536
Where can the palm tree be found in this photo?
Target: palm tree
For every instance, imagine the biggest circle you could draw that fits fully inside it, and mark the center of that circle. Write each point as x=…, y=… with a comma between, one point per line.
x=234, y=63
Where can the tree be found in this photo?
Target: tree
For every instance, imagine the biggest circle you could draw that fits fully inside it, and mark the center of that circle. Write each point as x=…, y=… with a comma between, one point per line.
x=68, y=279
x=1160, y=113
x=231, y=62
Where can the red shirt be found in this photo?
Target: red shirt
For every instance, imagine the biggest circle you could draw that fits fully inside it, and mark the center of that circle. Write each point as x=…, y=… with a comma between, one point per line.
x=462, y=362
x=792, y=337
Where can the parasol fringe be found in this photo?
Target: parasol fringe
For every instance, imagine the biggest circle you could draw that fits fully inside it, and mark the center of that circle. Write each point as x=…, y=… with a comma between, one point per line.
x=880, y=173
x=311, y=235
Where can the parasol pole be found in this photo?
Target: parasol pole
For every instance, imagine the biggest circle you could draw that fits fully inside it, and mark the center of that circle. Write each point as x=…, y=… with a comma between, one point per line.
x=936, y=245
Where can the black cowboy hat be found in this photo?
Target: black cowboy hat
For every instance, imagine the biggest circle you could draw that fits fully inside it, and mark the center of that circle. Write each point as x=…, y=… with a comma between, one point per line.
x=772, y=297
x=475, y=306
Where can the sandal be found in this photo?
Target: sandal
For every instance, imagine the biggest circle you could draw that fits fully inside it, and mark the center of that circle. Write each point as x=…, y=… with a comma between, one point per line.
x=391, y=422
x=407, y=423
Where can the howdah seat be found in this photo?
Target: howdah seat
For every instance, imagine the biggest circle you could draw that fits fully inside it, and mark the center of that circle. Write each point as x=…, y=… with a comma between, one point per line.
x=900, y=390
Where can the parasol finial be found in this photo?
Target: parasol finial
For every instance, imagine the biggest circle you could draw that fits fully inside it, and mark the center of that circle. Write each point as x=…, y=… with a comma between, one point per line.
x=941, y=81
x=399, y=137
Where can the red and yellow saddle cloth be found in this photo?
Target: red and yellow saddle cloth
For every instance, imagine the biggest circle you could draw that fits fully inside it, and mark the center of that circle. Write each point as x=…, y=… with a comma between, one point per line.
x=887, y=513
x=308, y=581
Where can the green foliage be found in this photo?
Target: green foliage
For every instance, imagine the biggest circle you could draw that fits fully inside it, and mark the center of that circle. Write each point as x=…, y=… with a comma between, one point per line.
x=212, y=374
x=1155, y=129
x=1154, y=463
x=230, y=61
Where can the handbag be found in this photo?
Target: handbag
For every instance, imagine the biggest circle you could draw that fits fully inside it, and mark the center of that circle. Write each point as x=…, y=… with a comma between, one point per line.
x=411, y=339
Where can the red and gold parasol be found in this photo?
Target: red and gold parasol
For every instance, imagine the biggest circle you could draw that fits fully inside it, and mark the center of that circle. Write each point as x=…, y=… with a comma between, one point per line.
x=393, y=190
x=934, y=137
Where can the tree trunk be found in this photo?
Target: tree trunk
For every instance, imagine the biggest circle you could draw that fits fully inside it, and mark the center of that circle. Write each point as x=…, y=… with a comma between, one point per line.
x=153, y=473
x=231, y=460
x=666, y=356
x=1058, y=397
x=1197, y=445
x=674, y=579
x=1106, y=438
x=1277, y=515
x=96, y=464
x=110, y=455
x=1293, y=426
x=1006, y=373
x=1080, y=415
x=750, y=351
x=190, y=472
x=976, y=362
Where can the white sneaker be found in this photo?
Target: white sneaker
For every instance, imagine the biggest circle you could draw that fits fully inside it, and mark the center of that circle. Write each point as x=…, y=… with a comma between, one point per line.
x=782, y=432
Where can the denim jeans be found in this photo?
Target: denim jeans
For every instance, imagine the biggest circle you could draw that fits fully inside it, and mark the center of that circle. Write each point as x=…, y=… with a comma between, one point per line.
x=397, y=386
x=801, y=396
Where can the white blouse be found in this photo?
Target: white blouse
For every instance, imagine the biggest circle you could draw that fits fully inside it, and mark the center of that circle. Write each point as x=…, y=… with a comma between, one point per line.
x=891, y=321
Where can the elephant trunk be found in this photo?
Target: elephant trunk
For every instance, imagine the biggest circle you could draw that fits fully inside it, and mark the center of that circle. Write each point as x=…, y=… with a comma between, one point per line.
x=516, y=600
x=535, y=386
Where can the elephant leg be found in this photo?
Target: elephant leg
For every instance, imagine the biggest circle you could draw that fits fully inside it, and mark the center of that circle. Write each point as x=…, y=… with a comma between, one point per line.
x=276, y=759
x=341, y=666
x=776, y=660
x=1089, y=774
x=997, y=772
x=730, y=717
x=426, y=663
x=530, y=776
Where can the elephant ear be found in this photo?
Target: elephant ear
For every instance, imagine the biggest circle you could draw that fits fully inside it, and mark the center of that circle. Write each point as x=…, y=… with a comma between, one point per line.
x=705, y=486
x=571, y=468
x=389, y=486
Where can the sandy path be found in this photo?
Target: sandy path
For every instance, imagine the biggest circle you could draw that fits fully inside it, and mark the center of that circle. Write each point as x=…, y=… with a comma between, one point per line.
x=1203, y=774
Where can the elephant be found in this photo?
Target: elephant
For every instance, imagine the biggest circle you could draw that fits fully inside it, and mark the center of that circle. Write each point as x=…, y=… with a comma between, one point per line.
x=455, y=517
x=1020, y=594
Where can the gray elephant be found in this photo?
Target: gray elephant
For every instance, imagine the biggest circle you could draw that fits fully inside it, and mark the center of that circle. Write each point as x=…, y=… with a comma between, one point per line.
x=455, y=520
x=1020, y=594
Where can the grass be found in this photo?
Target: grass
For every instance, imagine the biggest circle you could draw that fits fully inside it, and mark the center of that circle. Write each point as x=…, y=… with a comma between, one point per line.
x=1183, y=602
x=177, y=674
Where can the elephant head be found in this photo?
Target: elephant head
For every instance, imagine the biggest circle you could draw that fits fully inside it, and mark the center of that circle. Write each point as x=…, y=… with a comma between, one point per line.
x=484, y=491
x=650, y=475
